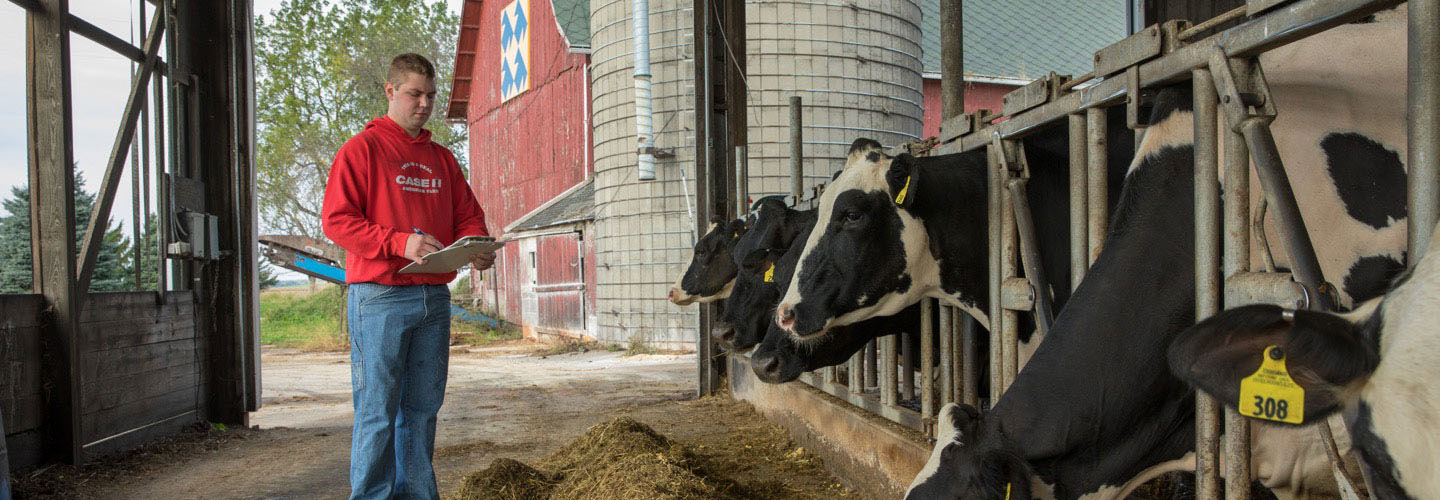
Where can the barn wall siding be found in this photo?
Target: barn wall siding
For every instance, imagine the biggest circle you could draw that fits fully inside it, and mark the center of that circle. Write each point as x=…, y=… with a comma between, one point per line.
x=142, y=371
x=977, y=96
x=525, y=151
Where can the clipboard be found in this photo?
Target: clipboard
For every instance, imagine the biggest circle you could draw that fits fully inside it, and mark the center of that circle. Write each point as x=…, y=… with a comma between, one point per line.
x=455, y=256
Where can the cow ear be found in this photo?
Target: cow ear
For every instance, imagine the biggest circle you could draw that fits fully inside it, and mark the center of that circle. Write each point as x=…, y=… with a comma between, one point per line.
x=761, y=259
x=737, y=229
x=902, y=178
x=1323, y=353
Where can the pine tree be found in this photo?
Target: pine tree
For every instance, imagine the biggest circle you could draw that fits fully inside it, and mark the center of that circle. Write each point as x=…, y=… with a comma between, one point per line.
x=16, y=265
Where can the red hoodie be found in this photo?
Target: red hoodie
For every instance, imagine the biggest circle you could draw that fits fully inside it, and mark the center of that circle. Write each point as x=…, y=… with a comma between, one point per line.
x=382, y=184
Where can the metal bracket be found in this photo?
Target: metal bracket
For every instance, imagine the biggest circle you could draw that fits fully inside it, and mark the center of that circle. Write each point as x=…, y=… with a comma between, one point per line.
x=1170, y=34
x=1133, y=98
x=1011, y=157
x=1244, y=94
x=1134, y=49
x=658, y=153
x=1033, y=94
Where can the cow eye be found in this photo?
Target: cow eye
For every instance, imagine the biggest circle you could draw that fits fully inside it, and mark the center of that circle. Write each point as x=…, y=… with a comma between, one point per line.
x=853, y=216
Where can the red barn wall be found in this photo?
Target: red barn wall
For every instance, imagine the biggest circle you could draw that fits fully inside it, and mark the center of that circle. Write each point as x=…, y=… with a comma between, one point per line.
x=527, y=150
x=977, y=96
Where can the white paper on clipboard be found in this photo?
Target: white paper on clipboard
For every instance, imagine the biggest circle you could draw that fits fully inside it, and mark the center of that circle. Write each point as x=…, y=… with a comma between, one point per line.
x=455, y=256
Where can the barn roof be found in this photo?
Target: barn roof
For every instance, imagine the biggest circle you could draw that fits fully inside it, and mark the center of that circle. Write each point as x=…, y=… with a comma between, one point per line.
x=576, y=204
x=574, y=19
x=1025, y=39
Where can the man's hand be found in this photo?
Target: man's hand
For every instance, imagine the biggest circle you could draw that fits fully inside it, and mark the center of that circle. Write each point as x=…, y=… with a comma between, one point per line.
x=483, y=261
x=417, y=246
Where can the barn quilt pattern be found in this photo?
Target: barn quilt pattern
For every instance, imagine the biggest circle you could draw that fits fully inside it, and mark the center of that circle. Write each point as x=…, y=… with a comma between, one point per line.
x=514, y=49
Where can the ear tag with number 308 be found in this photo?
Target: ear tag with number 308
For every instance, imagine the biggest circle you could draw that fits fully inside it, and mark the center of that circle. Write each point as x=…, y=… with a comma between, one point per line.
x=770, y=274
x=1270, y=393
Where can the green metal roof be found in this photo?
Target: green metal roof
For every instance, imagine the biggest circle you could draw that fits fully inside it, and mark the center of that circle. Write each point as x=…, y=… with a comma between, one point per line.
x=574, y=19
x=1025, y=39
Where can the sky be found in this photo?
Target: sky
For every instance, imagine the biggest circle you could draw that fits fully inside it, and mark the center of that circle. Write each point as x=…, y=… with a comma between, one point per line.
x=100, y=83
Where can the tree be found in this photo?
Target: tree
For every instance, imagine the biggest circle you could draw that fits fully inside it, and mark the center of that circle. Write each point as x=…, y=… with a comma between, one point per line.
x=16, y=265
x=266, y=274
x=320, y=72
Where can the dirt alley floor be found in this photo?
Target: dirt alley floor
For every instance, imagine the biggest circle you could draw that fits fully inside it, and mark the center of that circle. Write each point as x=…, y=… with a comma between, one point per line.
x=501, y=401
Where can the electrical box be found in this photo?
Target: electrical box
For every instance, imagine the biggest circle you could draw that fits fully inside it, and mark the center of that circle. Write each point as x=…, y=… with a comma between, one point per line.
x=198, y=238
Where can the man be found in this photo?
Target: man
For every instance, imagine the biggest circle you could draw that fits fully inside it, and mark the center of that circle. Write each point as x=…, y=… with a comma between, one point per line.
x=392, y=198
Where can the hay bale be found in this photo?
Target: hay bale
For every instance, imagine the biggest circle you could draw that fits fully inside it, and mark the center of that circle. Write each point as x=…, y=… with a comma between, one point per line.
x=506, y=479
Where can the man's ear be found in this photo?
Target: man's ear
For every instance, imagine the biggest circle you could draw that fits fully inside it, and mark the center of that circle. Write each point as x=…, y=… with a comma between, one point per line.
x=1323, y=353
x=902, y=178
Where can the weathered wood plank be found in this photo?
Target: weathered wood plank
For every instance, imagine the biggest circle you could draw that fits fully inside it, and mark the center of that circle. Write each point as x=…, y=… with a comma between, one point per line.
x=118, y=391
x=135, y=332
x=25, y=449
x=24, y=413
x=108, y=422
x=123, y=361
x=20, y=311
x=108, y=306
x=141, y=436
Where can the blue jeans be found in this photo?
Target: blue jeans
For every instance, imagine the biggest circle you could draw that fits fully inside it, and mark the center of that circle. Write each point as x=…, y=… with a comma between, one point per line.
x=399, y=354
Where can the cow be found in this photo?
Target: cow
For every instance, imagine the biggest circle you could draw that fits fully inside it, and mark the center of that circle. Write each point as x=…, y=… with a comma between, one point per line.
x=1376, y=363
x=1097, y=411
x=892, y=231
x=711, y=273
x=748, y=310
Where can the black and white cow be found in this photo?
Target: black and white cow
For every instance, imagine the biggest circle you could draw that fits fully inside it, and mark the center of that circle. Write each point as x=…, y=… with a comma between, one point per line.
x=773, y=227
x=1376, y=363
x=711, y=272
x=1097, y=412
x=892, y=231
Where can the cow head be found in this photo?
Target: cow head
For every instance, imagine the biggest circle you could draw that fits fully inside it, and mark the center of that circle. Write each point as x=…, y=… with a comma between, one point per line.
x=781, y=358
x=712, y=269
x=1325, y=354
x=749, y=308
x=866, y=249
x=970, y=460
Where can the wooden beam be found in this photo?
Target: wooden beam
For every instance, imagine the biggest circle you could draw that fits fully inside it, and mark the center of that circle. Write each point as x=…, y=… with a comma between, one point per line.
x=95, y=230
x=104, y=38
x=52, y=219
x=29, y=5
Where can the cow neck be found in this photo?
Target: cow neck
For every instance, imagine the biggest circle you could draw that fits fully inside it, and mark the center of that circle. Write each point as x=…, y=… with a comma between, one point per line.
x=1098, y=389
x=951, y=202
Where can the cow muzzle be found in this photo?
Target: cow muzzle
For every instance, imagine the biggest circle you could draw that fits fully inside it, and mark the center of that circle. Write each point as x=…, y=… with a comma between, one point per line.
x=679, y=297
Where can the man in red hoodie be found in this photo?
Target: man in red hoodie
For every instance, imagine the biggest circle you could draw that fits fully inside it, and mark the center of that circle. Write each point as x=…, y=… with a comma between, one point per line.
x=392, y=198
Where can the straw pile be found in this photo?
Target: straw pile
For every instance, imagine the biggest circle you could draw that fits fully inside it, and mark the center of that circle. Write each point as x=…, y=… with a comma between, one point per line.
x=619, y=458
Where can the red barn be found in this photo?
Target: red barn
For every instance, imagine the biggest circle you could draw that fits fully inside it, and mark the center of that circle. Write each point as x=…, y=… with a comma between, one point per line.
x=522, y=87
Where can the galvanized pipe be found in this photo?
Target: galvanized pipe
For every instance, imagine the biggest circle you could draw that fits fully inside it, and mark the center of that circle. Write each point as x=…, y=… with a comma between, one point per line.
x=886, y=363
x=1281, y=198
x=1097, y=184
x=1423, y=123
x=797, y=142
x=907, y=366
x=1009, y=326
x=994, y=181
x=1245, y=288
x=871, y=371
x=1207, y=273
x=855, y=367
x=1237, y=261
x=1079, y=198
x=970, y=379
x=742, y=181
x=1030, y=255
x=927, y=354
x=947, y=354
x=644, y=116
x=1017, y=294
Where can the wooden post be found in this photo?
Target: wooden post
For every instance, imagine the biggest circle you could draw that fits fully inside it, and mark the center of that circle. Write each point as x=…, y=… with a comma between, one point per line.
x=952, y=59
x=52, y=221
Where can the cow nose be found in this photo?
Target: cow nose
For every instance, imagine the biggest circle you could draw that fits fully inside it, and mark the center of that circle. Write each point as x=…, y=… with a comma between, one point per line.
x=671, y=294
x=770, y=368
x=785, y=317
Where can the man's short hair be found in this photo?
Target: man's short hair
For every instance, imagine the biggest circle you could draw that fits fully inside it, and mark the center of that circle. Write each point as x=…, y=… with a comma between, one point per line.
x=409, y=62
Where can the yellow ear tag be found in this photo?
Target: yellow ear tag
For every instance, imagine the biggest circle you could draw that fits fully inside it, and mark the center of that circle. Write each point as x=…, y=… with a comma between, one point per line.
x=1270, y=393
x=1007, y=491
x=900, y=198
x=770, y=274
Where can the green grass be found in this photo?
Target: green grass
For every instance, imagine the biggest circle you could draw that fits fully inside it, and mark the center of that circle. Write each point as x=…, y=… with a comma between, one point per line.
x=308, y=321
x=313, y=322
